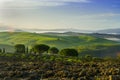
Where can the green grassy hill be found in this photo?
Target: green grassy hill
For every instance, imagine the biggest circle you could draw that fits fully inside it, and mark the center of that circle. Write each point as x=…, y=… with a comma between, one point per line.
x=60, y=41
x=8, y=48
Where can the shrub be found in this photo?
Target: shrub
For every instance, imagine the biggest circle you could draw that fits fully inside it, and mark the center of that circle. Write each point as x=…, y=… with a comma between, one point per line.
x=40, y=48
x=20, y=48
x=69, y=52
x=53, y=50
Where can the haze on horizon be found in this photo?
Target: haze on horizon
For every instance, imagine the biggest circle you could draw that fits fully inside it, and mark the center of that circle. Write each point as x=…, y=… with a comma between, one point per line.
x=55, y=14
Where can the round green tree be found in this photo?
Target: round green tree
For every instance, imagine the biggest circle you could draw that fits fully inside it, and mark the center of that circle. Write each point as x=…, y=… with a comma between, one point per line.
x=53, y=50
x=69, y=52
x=40, y=48
x=20, y=48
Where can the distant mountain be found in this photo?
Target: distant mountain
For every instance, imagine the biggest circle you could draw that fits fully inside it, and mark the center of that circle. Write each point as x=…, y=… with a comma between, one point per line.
x=110, y=31
x=71, y=31
x=57, y=30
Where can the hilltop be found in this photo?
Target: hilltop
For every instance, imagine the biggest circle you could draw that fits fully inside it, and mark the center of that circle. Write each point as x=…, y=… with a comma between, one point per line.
x=59, y=40
x=110, y=31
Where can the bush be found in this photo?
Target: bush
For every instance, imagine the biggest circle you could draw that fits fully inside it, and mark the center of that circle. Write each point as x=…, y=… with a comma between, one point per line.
x=69, y=52
x=53, y=50
x=40, y=48
x=20, y=48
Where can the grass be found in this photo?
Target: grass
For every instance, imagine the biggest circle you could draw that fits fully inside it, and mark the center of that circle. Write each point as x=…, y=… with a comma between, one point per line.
x=51, y=40
x=8, y=48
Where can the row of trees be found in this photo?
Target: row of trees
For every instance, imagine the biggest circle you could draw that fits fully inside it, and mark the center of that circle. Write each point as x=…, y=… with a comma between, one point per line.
x=42, y=48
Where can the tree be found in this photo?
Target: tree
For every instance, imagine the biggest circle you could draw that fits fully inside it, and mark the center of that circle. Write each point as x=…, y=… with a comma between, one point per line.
x=40, y=48
x=69, y=52
x=0, y=50
x=53, y=50
x=88, y=57
x=27, y=50
x=3, y=50
x=20, y=48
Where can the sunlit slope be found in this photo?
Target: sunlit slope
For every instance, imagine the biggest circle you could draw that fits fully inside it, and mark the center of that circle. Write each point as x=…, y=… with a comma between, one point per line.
x=8, y=48
x=51, y=40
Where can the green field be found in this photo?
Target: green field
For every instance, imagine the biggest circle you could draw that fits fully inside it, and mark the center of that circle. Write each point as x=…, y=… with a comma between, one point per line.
x=7, y=40
x=97, y=59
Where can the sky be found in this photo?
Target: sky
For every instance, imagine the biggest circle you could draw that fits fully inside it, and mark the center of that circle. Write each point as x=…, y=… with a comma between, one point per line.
x=57, y=14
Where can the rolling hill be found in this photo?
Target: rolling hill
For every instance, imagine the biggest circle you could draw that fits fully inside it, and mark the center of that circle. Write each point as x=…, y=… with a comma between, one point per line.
x=110, y=31
x=60, y=41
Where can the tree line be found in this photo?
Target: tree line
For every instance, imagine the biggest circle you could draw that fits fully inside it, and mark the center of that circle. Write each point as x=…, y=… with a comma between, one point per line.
x=95, y=50
x=43, y=48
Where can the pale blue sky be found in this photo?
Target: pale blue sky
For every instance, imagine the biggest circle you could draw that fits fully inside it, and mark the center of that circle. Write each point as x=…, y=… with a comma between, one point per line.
x=54, y=14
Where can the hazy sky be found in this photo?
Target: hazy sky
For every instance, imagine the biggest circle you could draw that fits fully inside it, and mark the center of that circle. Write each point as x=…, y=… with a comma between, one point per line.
x=53, y=14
